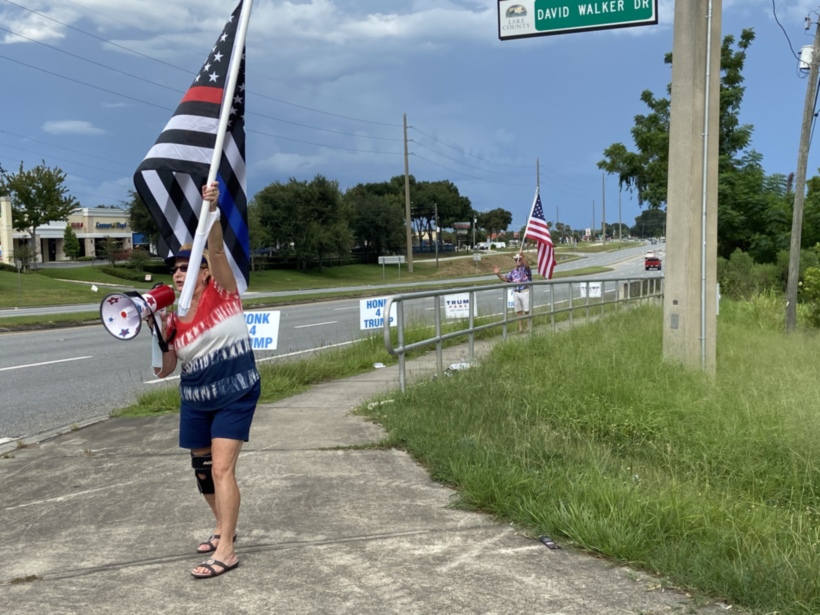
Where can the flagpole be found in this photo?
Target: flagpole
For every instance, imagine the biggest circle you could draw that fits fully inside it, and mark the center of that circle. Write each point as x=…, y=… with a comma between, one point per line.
x=205, y=220
x=529, y=217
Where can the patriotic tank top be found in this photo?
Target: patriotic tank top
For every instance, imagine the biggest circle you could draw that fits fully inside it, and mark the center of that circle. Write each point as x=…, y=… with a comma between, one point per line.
x=218, y=366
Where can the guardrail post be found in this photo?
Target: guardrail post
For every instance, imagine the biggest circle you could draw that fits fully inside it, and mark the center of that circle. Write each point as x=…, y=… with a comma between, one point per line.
x=439, y=358
x=471, y=336
x=552, y=306
x=400, y=332
x=506, y=311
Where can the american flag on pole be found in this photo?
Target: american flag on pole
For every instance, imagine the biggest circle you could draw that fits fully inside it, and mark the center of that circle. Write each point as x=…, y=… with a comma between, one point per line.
x=171, y=175
x=537, y=230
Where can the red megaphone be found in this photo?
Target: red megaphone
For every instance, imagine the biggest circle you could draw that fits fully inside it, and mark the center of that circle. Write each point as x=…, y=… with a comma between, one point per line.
x=122, y=313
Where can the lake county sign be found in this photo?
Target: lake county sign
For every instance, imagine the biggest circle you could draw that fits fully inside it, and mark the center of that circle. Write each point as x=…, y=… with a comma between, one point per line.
x=524, y=18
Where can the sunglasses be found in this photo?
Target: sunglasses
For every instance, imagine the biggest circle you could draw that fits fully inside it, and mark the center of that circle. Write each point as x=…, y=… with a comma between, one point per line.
x=183, y=268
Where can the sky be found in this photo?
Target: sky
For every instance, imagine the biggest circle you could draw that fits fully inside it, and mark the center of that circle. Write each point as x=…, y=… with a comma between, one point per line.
x=89, y=85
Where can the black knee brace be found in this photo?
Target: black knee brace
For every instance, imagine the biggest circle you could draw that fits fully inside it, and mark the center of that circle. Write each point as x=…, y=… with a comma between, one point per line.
x=202, y=470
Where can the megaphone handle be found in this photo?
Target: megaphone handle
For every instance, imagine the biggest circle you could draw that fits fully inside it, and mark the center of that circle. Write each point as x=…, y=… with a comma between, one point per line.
x=163, y=345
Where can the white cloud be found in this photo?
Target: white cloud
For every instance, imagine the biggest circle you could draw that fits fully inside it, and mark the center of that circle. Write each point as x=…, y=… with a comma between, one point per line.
x=71, y=127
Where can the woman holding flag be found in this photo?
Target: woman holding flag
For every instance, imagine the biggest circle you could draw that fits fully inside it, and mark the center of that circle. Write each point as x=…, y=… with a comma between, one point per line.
x=219, y=386
x=521, y=275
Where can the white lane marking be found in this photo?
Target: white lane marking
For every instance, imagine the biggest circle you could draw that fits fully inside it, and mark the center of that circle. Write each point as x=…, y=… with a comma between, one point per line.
x=318, y=324
x=5, y=369
x=353, y=307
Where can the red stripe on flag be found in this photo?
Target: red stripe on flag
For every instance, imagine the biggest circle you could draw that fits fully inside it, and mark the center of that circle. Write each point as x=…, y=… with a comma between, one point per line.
x=200, y=93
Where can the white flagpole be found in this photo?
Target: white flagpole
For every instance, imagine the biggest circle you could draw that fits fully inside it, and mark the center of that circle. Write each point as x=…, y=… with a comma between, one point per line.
x=529, y=217
x=205, y=220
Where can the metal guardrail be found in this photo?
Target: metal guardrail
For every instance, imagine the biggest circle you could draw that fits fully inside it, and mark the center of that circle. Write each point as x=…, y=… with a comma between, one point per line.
x=548, y=300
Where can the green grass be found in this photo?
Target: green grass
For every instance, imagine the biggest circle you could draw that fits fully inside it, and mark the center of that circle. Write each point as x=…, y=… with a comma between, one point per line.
x=589, y=436
x=34, y=289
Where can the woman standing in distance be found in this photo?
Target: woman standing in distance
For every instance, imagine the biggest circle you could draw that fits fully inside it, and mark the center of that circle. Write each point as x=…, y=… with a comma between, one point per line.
x=219, y=386
x=521, y=275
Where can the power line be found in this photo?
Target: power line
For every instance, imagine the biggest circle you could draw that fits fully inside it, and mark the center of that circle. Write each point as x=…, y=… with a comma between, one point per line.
x=505, y=173
x=774, y=12
x=74, y=55
x=96, y=87
x=99, y=38
x=482, y=179
x=349, y=149
x=75, y=151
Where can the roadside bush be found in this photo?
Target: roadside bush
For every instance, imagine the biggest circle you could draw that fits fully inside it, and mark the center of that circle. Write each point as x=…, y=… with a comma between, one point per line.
x=124, y=273
x=138, y=259
x=810, y=294
x=741, y=278
x=24, y=254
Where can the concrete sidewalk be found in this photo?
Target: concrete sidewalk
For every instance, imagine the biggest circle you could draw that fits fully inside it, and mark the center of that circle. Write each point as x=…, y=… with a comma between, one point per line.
x=106, y=519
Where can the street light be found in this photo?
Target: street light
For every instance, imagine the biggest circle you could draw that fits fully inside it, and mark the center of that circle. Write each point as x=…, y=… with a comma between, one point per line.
x=474, y=223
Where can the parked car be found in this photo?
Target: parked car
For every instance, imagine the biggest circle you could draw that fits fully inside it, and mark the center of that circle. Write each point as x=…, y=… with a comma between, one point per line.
x=482, y=246
x=652, y=262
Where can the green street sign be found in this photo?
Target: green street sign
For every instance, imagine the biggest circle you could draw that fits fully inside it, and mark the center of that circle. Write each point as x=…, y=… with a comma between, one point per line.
x=525, y=18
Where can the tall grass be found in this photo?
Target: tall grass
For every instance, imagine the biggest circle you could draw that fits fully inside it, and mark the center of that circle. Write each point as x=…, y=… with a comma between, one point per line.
x=589, y=435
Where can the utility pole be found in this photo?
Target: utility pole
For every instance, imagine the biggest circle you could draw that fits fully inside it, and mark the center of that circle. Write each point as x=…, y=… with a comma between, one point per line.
x=593, y=219
x=603, y=209
x=407, y=221
x=435, y=205
x=620, y=226
x=800, y=183
x=690, y=279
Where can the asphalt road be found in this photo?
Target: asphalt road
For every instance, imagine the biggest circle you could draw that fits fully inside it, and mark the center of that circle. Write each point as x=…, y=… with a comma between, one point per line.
x=54, y=378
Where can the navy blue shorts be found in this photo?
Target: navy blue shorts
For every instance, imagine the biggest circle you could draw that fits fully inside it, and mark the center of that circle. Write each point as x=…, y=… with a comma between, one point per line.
x=198, y=427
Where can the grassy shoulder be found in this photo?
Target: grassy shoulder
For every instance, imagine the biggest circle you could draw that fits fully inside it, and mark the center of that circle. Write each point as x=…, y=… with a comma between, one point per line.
x=713, y=484
x=588, y=436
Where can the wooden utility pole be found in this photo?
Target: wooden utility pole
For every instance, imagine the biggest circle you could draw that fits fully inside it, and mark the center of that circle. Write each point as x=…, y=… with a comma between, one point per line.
x=800, y=185
x=408, y=219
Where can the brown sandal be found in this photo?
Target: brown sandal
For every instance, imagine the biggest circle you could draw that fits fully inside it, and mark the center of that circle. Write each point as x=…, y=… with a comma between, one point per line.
x=212, y=572
x=208, y=546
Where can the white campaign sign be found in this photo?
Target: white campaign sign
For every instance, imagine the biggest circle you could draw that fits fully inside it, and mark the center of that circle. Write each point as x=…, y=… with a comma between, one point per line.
x=263, y=328
x=458, y=306
x=510, y=300
x=371, y=314
x=591, y=290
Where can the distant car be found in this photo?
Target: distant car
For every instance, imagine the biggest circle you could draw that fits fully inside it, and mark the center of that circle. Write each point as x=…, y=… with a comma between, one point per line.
x=649, y=254
x=652, y=262
x=482, y=246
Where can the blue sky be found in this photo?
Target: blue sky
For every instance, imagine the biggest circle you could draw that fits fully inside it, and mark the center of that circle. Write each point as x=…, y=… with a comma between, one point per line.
x=93, y=82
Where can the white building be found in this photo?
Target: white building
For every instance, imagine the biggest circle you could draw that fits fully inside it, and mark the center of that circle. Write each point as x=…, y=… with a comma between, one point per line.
x=92, y=227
